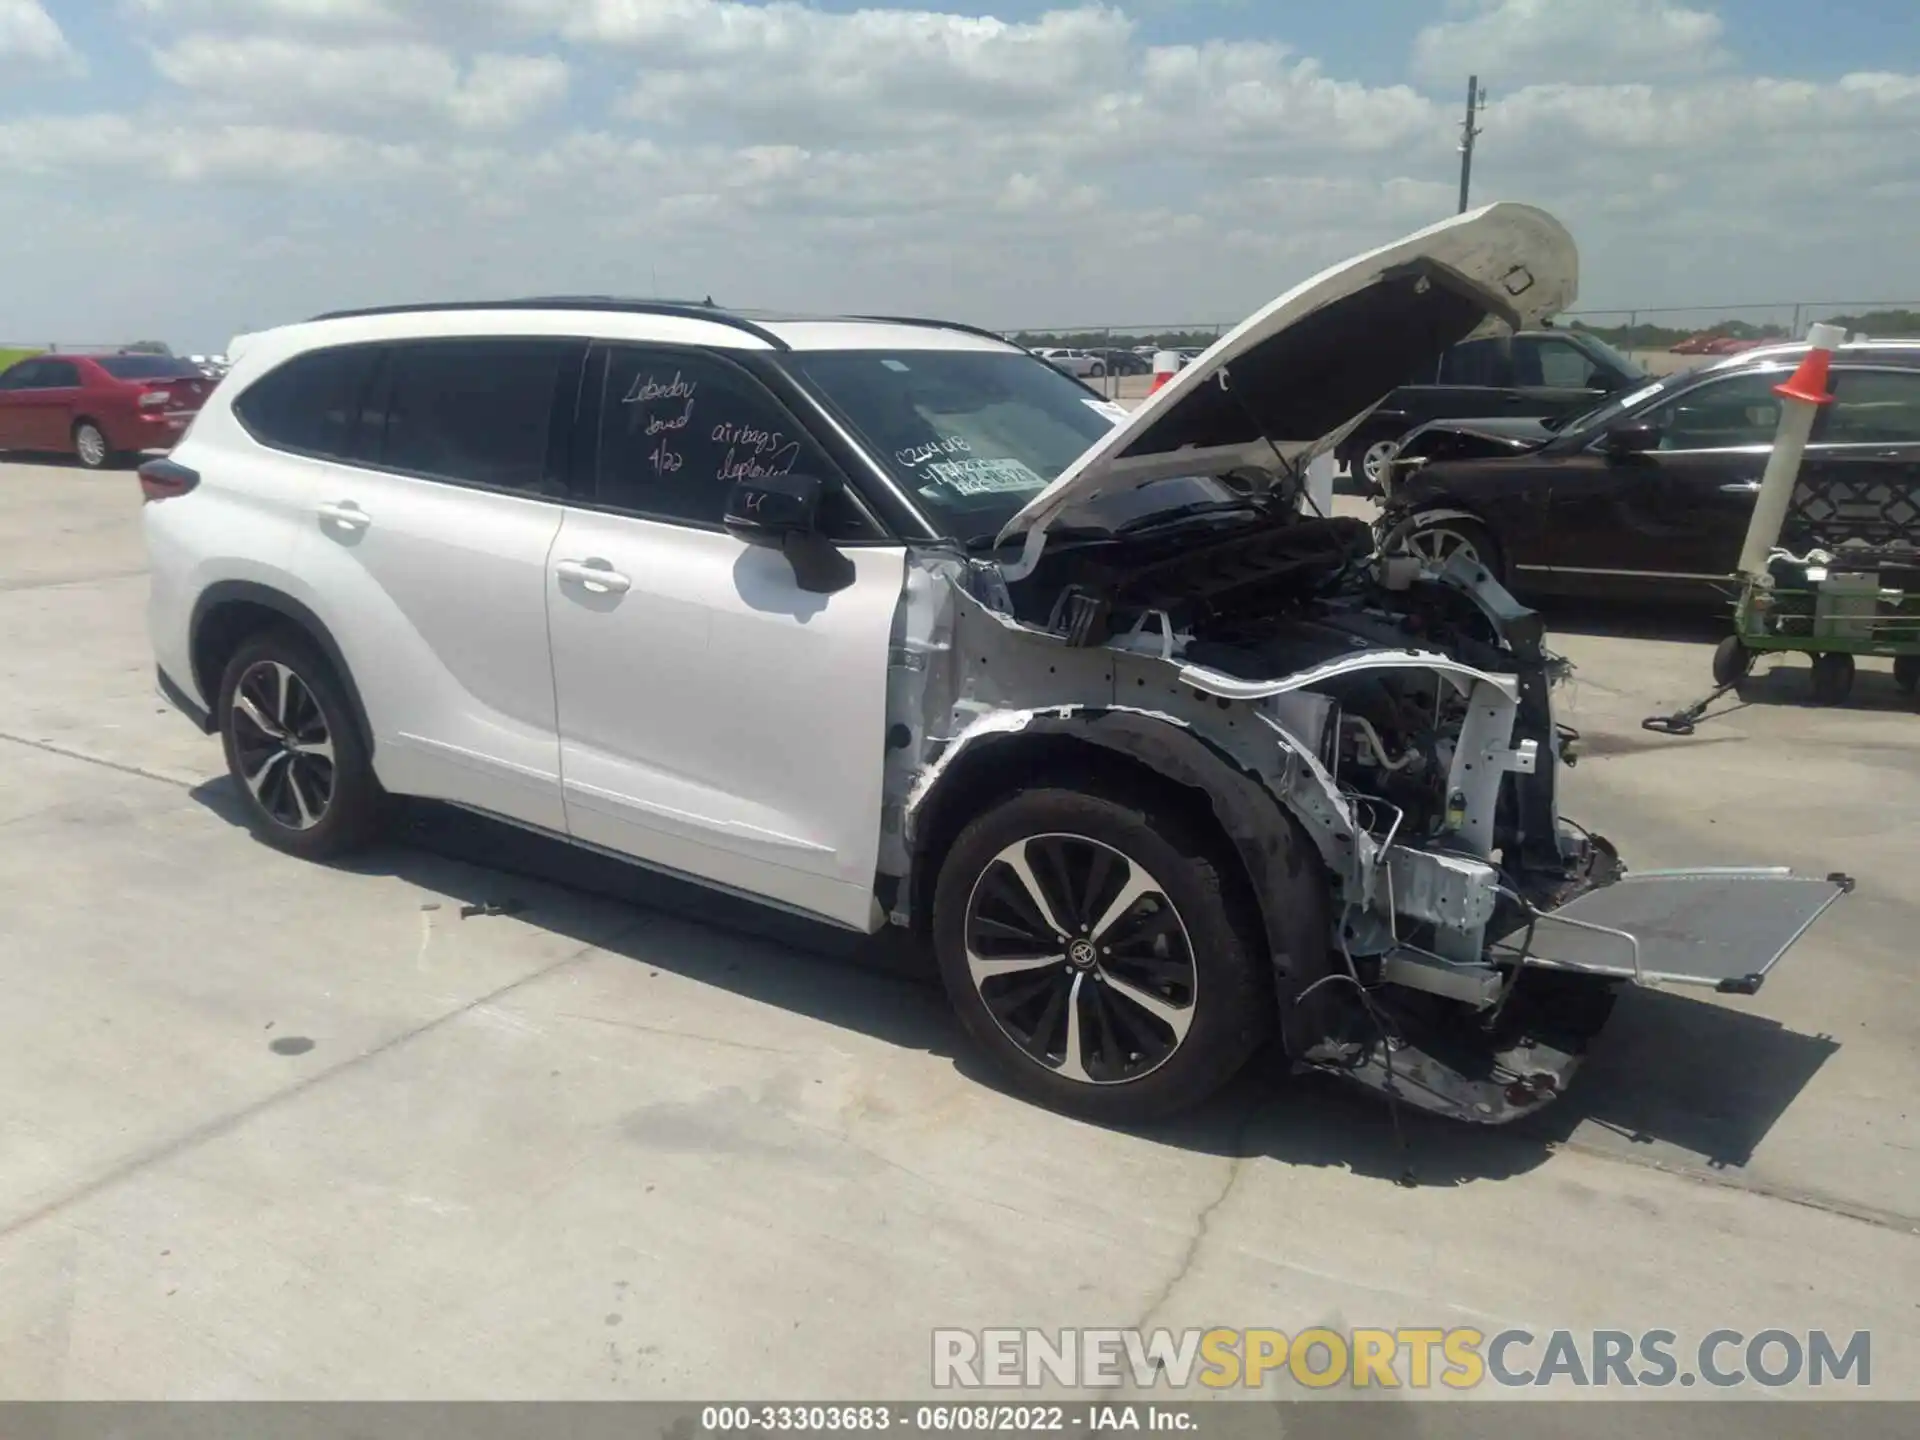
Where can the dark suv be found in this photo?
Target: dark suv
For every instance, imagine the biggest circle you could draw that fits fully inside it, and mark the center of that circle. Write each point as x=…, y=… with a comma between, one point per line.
x=1532, y=373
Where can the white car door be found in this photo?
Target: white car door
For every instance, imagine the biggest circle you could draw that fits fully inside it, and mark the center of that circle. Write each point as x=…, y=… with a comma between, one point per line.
x=715, y=719
x=427, y=554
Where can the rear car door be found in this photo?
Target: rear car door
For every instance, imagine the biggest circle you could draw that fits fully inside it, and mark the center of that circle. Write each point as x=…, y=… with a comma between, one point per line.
x=1472, y=380
x=715, y=719
x=426, y=554
x=1552, y=376
x=1860, y=480
x=1675, y=515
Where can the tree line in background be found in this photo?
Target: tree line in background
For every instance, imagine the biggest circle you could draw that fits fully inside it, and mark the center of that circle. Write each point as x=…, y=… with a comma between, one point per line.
x=1881, y=324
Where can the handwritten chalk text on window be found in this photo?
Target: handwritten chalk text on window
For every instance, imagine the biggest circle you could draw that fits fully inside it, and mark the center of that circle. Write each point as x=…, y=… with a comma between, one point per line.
x=648, y=388
x=932, y=450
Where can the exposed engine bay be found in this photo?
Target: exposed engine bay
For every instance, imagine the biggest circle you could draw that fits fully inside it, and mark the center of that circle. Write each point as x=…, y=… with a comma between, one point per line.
x=1306, y=596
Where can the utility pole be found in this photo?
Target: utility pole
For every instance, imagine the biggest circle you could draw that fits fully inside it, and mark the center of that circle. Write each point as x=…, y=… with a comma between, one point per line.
x=1476, y=102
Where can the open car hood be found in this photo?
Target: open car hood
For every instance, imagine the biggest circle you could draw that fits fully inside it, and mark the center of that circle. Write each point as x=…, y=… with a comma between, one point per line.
x=1298, y=375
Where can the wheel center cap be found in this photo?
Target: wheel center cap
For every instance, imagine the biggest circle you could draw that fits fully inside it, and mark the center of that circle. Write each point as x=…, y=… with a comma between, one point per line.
x=1082, y=954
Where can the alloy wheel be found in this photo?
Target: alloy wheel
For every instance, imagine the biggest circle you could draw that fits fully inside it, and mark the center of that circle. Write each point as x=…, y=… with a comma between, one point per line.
x=1081, y=958
x=1373, y=464
x=283, y=747
x=1436, y=544
x=91, y=445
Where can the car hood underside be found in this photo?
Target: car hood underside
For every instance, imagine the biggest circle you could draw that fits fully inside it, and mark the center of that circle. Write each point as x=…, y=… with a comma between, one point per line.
x=1294, y=378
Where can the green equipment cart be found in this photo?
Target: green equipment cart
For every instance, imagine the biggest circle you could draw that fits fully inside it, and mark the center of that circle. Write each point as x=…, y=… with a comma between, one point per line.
x=1857, y=599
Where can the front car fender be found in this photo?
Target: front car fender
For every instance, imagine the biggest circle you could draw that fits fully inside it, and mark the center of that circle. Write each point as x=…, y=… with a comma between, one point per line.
x=1254, y=819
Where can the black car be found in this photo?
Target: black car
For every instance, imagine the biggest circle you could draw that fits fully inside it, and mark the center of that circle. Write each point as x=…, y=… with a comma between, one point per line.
x=1529, y=373
x=1649, y=494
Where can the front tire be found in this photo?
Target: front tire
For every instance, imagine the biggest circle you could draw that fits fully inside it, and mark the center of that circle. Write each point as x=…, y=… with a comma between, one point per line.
x=294, y=749
x=1097, y=951
x=1732, y=661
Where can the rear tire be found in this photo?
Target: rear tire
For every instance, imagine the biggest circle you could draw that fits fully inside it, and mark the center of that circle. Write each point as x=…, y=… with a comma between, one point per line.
x=1373, y=461
x=1148, y=1008
x=294, y=750
x=1906, y=673
x=91, y=448
x=1832, y=678
x=1436, y=540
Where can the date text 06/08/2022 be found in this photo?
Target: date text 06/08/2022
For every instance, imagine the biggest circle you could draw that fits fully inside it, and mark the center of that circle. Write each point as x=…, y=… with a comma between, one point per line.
x=930, y=1419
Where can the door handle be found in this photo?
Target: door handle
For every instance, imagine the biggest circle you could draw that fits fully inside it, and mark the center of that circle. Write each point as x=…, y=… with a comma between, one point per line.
x=345, y=514
x=1741, y=487
x=595, y=575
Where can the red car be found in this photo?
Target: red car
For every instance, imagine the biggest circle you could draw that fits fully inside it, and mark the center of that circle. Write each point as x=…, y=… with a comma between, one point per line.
x=102, y=408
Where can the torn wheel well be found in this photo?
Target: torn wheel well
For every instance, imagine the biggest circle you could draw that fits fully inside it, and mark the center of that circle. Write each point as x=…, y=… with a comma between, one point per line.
x=992, y=770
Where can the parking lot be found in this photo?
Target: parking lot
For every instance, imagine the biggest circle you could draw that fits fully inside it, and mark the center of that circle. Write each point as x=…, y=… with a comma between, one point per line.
x=281, y=1130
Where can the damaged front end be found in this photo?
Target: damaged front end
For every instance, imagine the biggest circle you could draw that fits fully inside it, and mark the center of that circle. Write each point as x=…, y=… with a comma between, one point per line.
x=1382, y=723
x=1397, y=720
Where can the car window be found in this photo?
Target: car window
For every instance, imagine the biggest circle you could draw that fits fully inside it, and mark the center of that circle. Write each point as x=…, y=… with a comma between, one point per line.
x=972, y=434
x=1541, y=360
x=315, y=404
x=1874, y=407
x=57, y=374
x=148, y=367
x=23, y=376
x=475, y=411
x=1472, y=362
x=678, y=429
x=1739, y=410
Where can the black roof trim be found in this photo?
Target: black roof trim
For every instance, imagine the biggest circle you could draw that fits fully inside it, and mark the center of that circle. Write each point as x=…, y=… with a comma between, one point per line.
x=683, y=309
x=939, y=325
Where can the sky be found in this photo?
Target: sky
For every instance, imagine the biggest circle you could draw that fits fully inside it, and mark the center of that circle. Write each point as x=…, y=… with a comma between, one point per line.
x=186, y=170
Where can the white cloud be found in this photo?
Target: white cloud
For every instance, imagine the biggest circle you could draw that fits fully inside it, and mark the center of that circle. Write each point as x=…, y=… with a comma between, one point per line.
x=123, y=145
x=265, y=76
x=31, y=44
x=1523, y=42
x=1048, y=170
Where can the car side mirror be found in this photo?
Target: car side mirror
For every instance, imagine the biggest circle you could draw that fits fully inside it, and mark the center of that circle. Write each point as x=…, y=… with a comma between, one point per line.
x=782, y=512
x=1633, y=439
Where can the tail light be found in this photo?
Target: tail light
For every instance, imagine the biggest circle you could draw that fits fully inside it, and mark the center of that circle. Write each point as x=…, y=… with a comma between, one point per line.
x=151, y=398
x=166, y=480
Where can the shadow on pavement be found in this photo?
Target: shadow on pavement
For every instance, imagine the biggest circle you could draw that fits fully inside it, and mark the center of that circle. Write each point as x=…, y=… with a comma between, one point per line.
x=1698, y=621
x=1688, y=1081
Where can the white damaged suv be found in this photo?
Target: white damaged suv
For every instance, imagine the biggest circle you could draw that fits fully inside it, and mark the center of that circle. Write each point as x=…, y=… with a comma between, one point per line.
x=888, y=622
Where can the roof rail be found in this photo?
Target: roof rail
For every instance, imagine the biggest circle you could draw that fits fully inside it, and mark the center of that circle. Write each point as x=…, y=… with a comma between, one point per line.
x=684, y=309
x=939, y=325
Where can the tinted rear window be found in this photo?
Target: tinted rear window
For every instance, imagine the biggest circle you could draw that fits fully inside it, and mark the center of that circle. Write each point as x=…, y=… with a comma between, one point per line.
x=148, y=367
x=315, y=403
x=474, y=410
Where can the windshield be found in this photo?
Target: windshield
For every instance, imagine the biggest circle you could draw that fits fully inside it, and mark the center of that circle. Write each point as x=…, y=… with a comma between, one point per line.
x=1613, y=405
x=974, y=435
x=148, y=367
